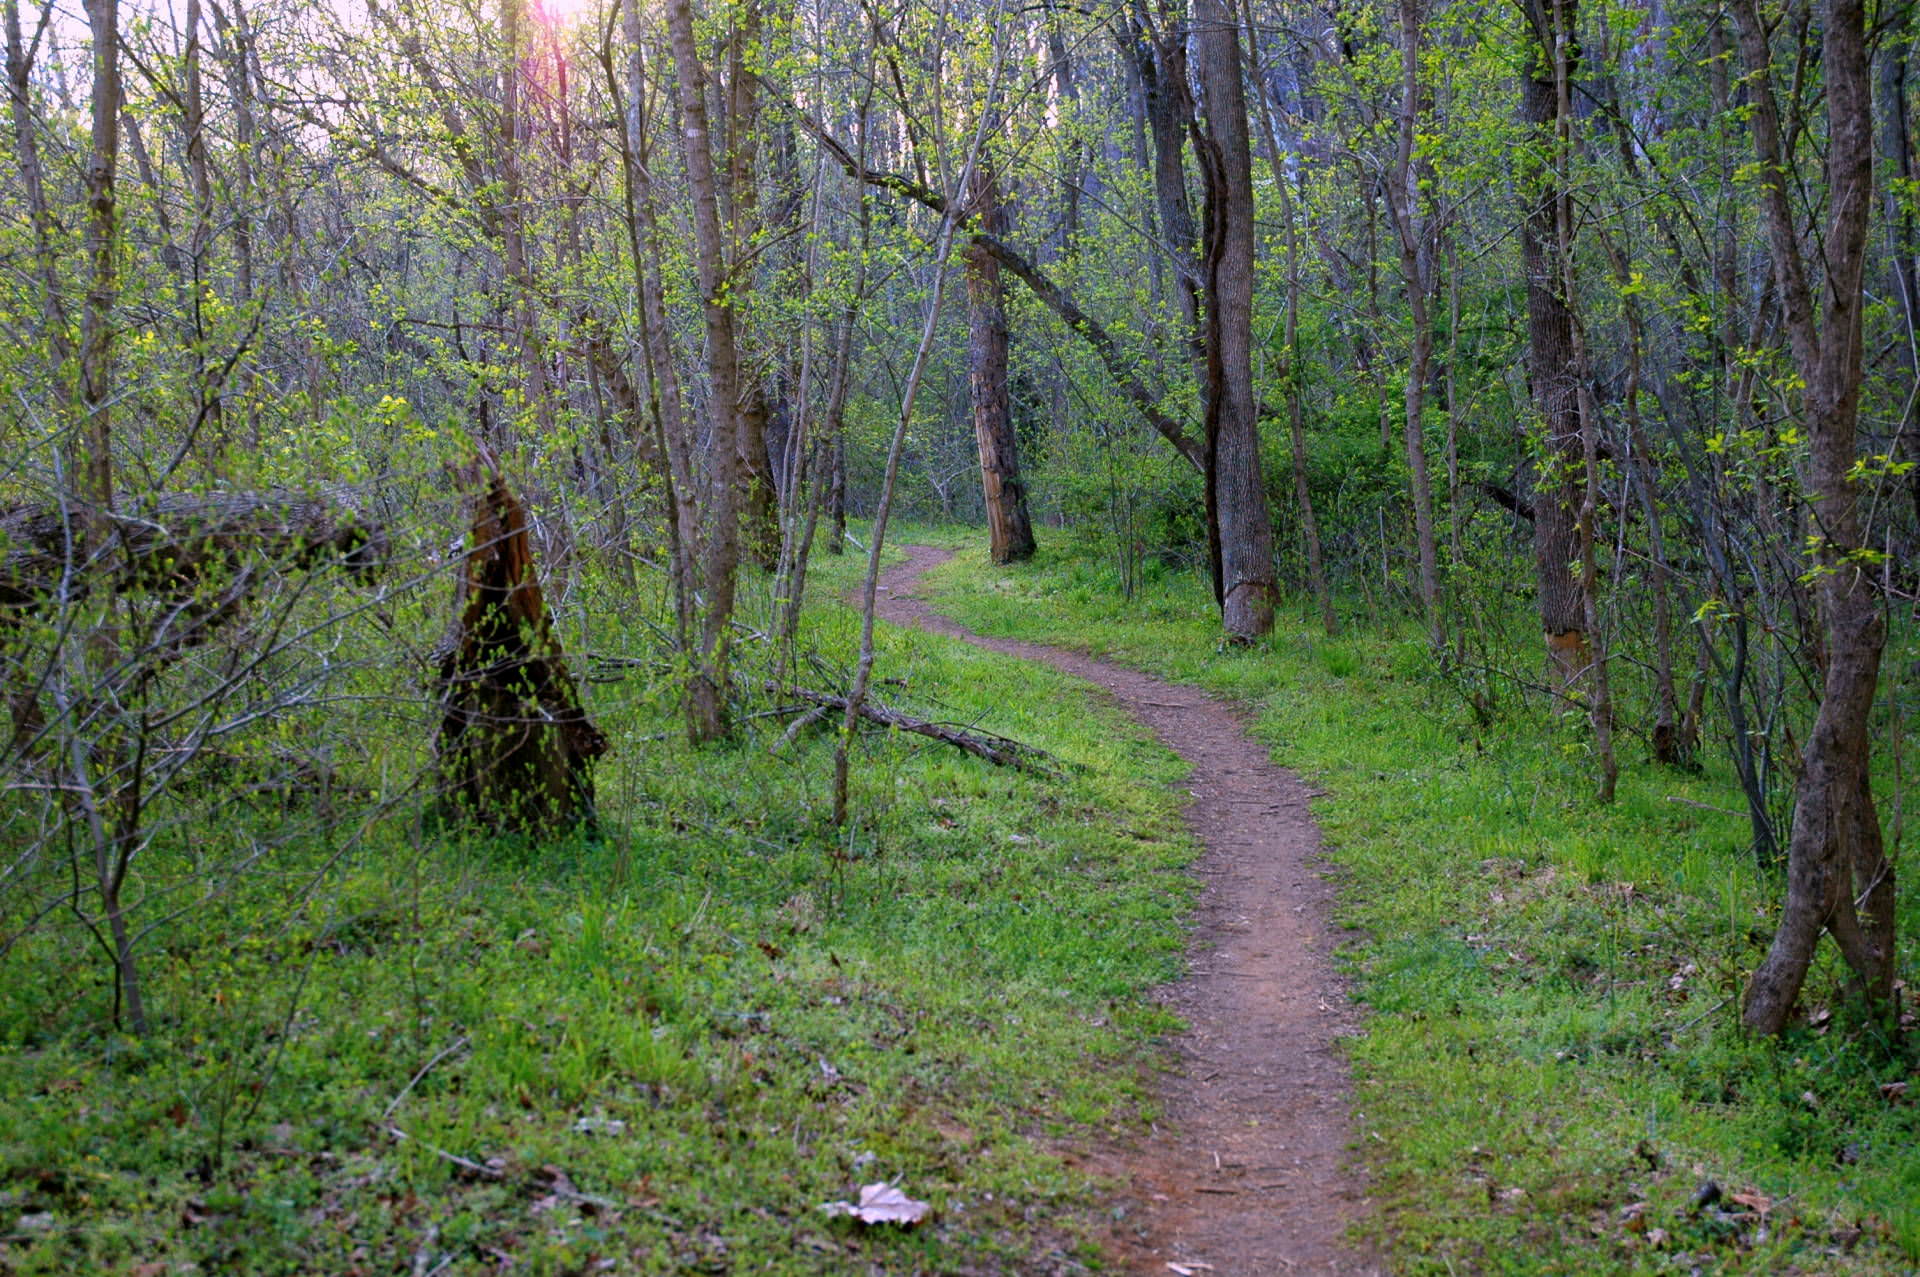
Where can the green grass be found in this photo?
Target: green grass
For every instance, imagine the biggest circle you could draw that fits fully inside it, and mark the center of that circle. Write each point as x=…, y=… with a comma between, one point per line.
x=1551, y=1067
x=657, y=1050
x=662, y=1048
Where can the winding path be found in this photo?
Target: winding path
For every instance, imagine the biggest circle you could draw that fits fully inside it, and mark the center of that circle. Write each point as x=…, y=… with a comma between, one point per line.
x=1245, y=1175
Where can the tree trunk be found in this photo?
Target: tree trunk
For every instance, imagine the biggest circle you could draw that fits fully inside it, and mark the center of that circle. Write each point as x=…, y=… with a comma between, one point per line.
x=516, y=747
x=1160, y=56
x=1296, y=429
x=1838, y=876
x=837, y=491
x=1009, y=530
x=94, y=436
x=759, y=496
x=54, y=323
x=1236, y=493
x=673, y=437
x=1558, y=487
x=707, y=703
x=1903, y=235
x=1414, y=232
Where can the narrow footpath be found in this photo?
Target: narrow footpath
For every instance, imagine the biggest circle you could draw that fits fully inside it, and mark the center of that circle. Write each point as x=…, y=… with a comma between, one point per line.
x=1246, y=1174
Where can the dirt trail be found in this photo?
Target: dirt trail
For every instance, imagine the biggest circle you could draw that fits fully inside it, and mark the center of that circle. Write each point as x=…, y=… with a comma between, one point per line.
x=1246, y=1171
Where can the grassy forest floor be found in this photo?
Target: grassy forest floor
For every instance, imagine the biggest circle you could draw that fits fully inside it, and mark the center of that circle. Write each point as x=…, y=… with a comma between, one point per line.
x=664, y=1048
x=1551, y=1079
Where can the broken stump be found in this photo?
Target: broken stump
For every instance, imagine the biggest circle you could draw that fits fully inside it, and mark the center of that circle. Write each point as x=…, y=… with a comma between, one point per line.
x=516, y=747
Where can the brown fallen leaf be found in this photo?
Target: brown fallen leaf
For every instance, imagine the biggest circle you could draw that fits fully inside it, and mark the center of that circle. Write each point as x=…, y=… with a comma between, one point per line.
x=1893, y=1092
x=1758, y=1202
x=881, y=1204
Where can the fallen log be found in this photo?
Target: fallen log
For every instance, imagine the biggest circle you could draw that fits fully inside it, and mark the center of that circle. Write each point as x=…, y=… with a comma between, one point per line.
x=173, y=544
x=1001, y=751
x=516, y=747
x=201, y=556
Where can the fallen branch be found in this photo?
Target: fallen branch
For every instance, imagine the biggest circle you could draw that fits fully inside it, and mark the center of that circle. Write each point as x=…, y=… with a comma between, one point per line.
x=1001, y=751
x=466, y=1164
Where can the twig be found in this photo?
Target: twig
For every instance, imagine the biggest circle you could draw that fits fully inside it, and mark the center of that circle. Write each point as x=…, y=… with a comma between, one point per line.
x=800, y=724
x=464, y=1163
x=426, y=1068
x=1703, y=1015
x=1689, y=802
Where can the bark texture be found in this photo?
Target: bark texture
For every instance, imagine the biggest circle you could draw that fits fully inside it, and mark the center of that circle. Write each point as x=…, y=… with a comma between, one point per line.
x=1009, y=529
x=1558, y=486
x=1236, y=492
x=1838, y=876
x=707, y=704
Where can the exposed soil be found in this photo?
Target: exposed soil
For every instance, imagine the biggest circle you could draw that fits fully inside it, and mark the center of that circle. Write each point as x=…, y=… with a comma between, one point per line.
x=1246, y=1172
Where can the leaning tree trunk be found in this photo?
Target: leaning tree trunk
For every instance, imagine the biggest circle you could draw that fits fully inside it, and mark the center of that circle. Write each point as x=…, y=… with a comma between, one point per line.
x=516, y=748
x=1236, y=493
x=1009, y=530
x=1838, y=876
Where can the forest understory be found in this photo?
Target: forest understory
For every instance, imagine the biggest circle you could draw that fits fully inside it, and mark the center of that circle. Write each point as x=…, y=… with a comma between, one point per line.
x=665, y=1046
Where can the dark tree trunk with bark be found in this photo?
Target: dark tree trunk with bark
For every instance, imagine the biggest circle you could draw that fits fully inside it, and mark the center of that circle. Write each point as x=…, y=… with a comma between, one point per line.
x=1010, y=531
x=1236, y=492
x=93, y=439
x=1558, y=487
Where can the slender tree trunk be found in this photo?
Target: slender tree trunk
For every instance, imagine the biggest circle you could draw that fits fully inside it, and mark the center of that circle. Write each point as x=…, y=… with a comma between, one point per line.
x=708, y=701
x=1296, y=429
x=759, y=498
x=1160, y=56
x=830, y=488
x=1414, y=234
x=1903, y=236
x=1009, y=530
x=1559, y=486
x=824, y=449
x=1838, y=876
x=673, y=438
x=1297, y=436
x=863, y=668
x=1671, y=745
x=837, y=491
x=94, y=468
x=54, y=323
x=236, y=41
x=1599, y=690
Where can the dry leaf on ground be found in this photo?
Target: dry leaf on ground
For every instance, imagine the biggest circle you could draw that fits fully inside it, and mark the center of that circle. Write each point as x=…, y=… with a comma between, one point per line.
x=881, y=1204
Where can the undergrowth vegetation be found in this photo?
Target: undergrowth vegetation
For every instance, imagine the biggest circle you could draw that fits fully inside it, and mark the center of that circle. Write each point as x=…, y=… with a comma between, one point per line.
x=659, y=1047
x=663, y=1045
x=1552, y=1077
